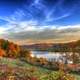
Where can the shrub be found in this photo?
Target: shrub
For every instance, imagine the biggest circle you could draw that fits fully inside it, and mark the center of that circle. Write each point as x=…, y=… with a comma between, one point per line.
x=59, y=75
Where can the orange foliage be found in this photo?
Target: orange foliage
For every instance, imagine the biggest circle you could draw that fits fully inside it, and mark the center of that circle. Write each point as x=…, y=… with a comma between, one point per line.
x=2, y=52
x=8, y=48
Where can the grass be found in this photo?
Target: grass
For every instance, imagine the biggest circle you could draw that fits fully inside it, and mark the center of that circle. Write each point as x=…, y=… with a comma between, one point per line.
x=23, y=68
x=16, y=63
x=77, y=76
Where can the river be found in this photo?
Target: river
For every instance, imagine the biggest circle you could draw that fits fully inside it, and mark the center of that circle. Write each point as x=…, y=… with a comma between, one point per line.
x=50, y=56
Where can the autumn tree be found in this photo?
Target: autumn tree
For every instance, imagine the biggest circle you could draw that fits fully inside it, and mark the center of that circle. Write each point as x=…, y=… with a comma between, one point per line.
x=2, y=52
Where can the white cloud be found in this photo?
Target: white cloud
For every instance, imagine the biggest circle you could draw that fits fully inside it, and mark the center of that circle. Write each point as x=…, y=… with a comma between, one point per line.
x=22, y=30
x=2, y=30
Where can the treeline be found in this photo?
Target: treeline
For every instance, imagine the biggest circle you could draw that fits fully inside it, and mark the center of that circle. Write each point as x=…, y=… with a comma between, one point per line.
x=11, y=50
x=66, y=47
x=55, y=47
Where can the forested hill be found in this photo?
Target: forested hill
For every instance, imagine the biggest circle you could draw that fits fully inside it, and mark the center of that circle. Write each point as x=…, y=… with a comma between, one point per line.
x=55, y=47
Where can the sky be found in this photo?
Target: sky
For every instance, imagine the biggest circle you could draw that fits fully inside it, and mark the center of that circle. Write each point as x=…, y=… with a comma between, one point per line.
x=40, y=21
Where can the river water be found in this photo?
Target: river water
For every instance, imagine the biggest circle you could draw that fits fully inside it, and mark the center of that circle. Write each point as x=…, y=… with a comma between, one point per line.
x=51, y=56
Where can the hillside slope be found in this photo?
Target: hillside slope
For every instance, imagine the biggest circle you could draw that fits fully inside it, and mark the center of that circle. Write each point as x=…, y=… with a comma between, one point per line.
x=20, y=70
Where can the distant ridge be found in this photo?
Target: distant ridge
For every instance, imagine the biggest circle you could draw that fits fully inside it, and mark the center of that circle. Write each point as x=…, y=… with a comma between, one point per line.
x=48, y=46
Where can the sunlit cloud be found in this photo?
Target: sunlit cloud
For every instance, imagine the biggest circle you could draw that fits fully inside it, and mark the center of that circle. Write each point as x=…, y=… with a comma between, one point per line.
x=36, y=22
x=2, y=30
x=30, y=32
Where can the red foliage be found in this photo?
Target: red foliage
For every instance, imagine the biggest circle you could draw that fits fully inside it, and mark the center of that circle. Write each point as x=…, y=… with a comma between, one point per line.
x=11, y=47
x=33, y=78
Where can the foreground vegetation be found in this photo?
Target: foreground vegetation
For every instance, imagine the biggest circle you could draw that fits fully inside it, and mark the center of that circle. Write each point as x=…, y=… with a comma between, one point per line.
x=19, y=70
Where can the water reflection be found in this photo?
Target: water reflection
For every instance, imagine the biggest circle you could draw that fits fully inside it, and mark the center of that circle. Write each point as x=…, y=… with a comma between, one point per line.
x=51, y=56
x=48, y=55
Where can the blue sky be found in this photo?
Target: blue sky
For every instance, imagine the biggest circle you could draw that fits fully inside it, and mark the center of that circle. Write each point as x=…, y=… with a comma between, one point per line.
x=23, y=19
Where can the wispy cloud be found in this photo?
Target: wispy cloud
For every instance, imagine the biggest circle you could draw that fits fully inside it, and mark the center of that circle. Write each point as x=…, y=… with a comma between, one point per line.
x=31, y=23
x=24, y=32
x=18, y=29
